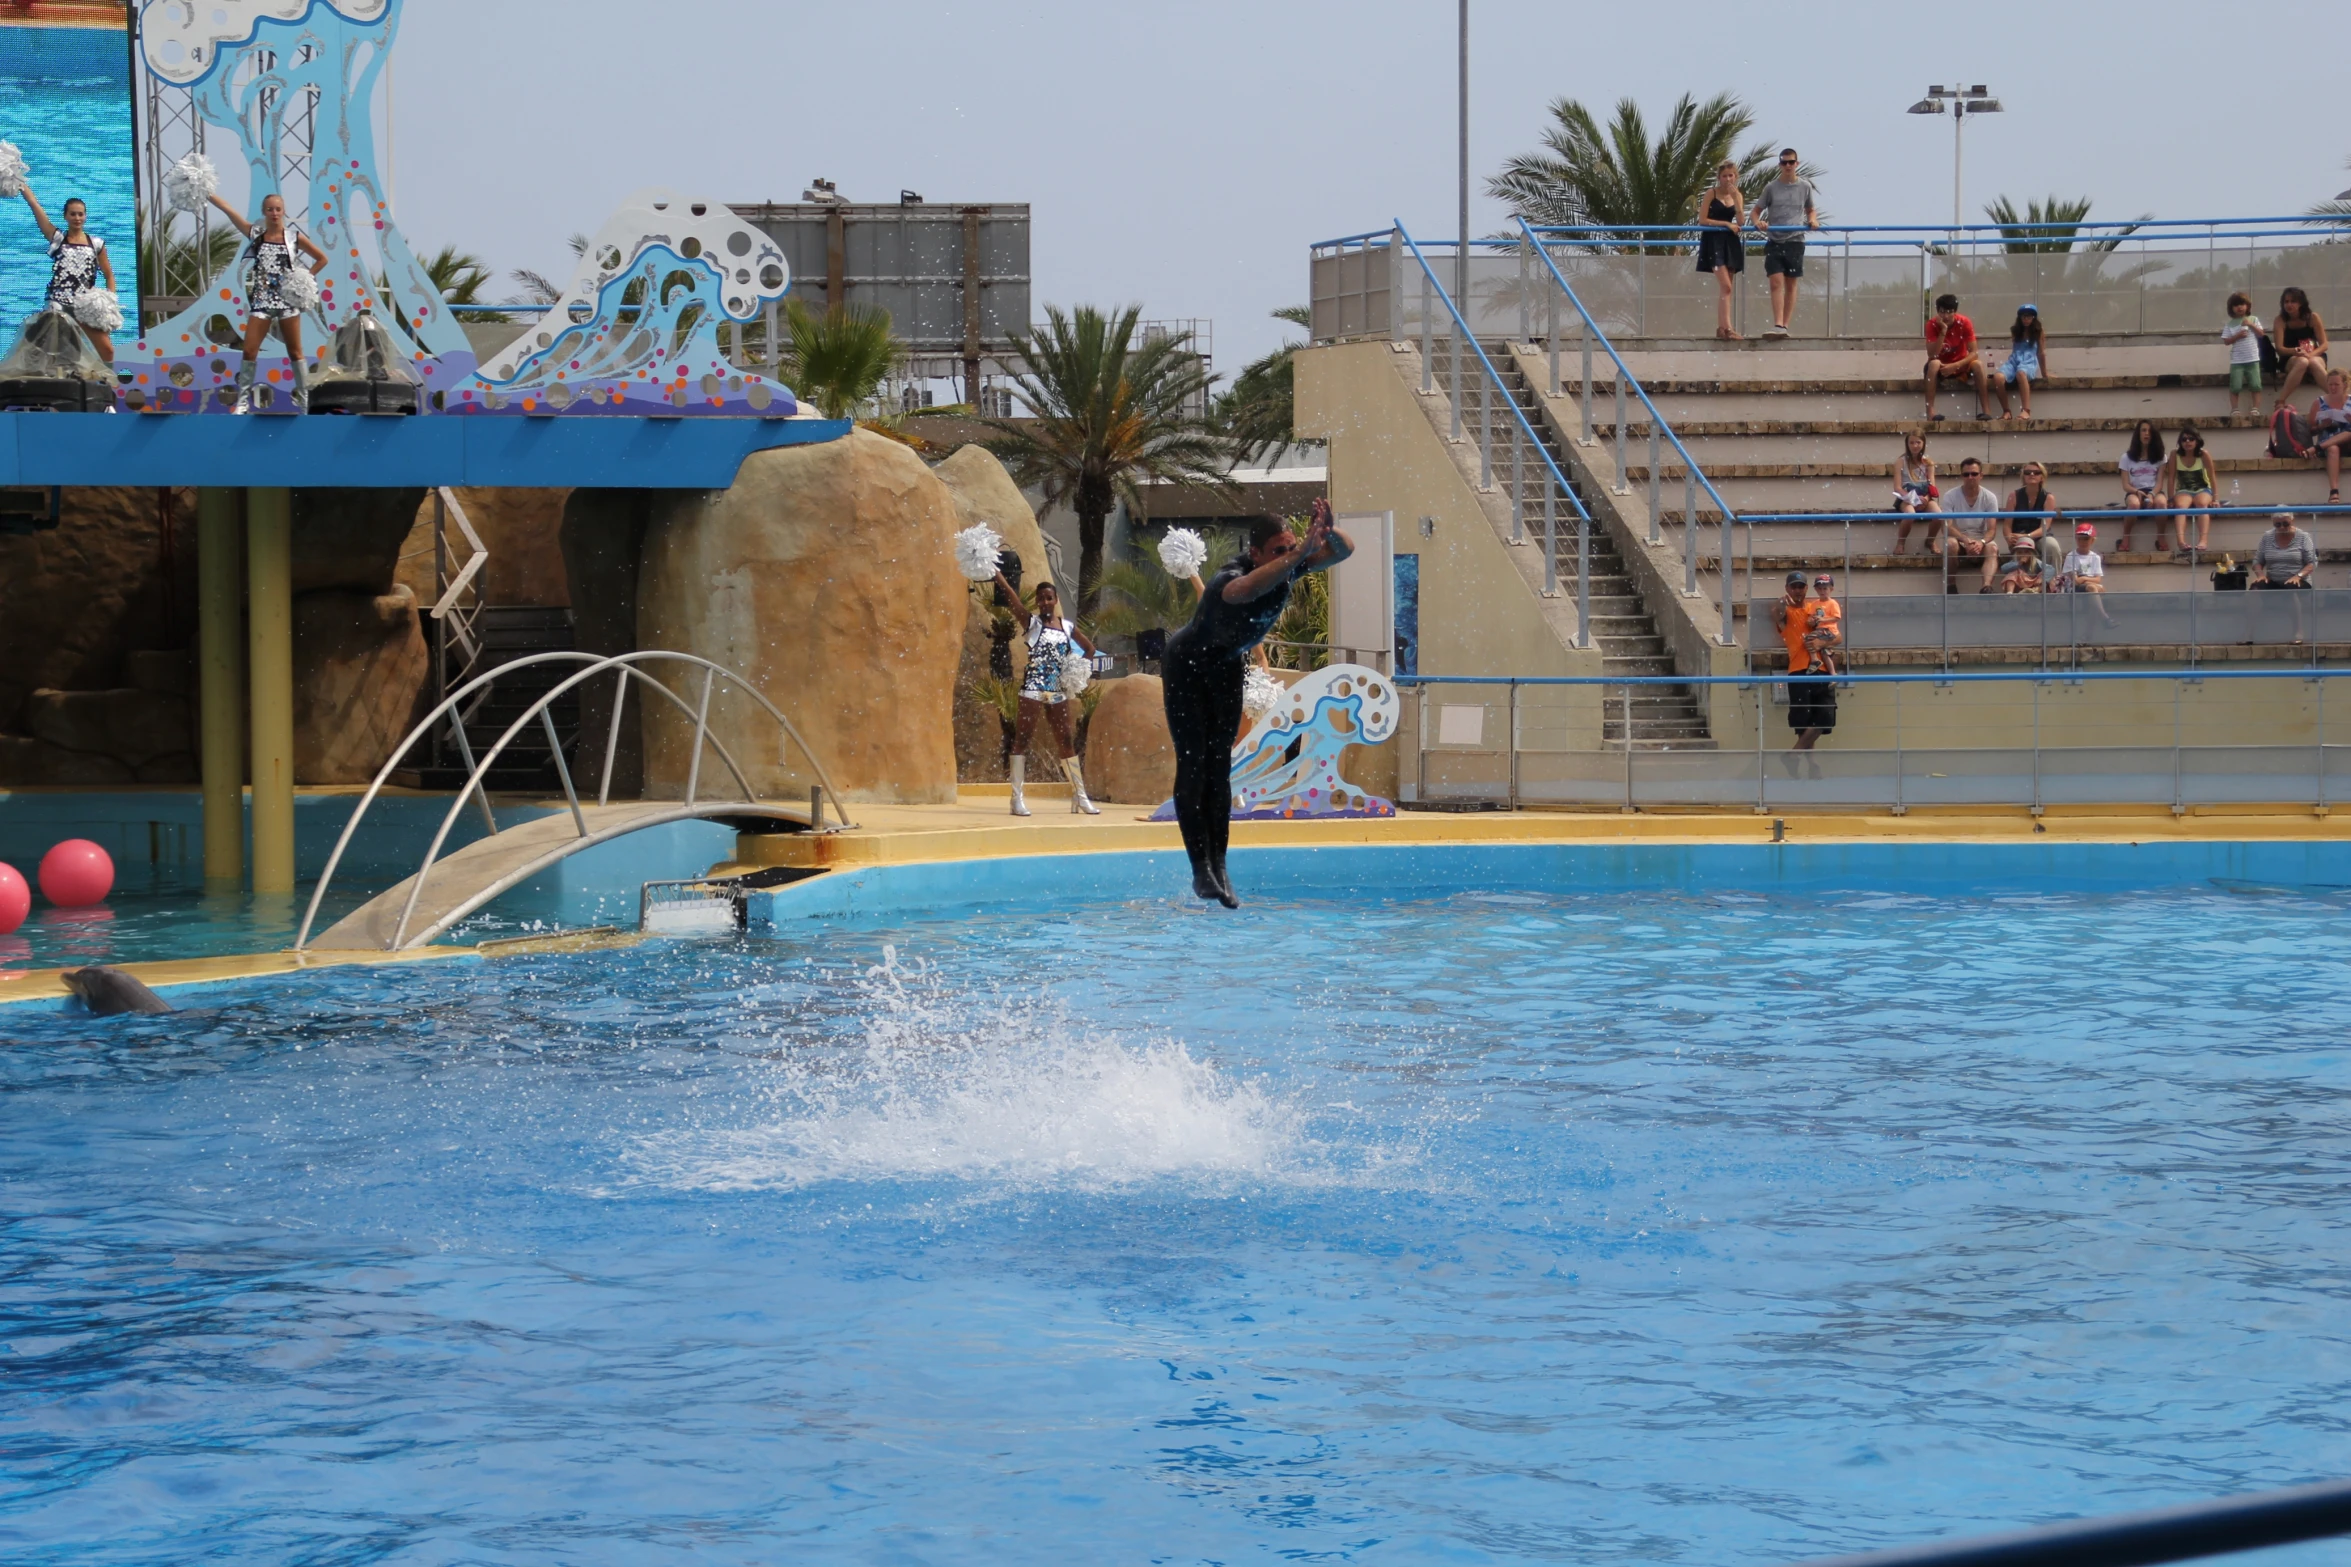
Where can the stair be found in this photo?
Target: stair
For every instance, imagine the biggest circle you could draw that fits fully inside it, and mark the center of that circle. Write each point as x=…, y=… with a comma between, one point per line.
x=507, y=633
x=1663, y=717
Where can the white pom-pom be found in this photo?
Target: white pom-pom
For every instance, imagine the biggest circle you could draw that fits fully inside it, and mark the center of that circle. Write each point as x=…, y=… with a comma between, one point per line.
x=12, y=171
x=1077, y=671
x=98, y=307
x=298, y=287
x=1183, y=552
x=188, y=183
x=1260, y=693
x=977, y=550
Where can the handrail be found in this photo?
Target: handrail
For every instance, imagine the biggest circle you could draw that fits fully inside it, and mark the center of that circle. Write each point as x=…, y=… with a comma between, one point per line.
x=625, y=665
x=2140, y=1539
x=1658, y=426
x=1906, y=677
x=1462, y=334
x=2298, y=225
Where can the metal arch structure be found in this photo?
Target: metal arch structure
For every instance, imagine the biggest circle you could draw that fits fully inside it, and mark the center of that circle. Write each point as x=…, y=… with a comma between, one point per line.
x=505, y=859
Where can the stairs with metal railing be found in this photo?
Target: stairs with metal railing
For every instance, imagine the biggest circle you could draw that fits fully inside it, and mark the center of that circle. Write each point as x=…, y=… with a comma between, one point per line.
x=501, y=635
x=1664, y=717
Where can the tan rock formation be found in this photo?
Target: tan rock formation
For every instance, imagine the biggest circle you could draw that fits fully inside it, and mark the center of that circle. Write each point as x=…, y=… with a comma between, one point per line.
x=1129, y=757
x=826, y=576
x=29, y=763
x=351, y=538
x=984, y=492
x=602, y=538
x=76, y=599
x=133, y=727
x=360, y=665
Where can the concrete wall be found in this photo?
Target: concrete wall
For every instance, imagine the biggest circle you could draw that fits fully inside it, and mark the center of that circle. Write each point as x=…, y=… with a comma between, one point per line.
x=1479, y=615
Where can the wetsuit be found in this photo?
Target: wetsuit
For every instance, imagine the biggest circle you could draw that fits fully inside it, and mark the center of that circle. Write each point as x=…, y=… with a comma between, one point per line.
x=1207, y=661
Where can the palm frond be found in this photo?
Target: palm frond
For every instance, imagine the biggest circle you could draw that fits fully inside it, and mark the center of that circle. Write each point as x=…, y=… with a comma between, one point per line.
x=1617, y=175
x=1108, y=414
x=837, y=360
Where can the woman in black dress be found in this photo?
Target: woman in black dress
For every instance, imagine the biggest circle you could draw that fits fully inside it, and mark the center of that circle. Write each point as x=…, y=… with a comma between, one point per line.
x=1721, y=211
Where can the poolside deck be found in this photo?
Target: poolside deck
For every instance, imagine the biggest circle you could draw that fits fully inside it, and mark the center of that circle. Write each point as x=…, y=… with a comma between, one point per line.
x=978, y=827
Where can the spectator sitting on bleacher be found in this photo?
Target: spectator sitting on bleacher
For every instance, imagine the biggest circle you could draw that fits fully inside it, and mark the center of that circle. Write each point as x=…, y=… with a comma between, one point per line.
x=2141, y=466
x=1971, y=527
x=2033, y=514
x=2023, y=572
x=2285, y=557
x=1914, y=489
x=2027, y=361
x=2192, y=480
x=1951, y=355
x=2330, y=428
x=2301, y=340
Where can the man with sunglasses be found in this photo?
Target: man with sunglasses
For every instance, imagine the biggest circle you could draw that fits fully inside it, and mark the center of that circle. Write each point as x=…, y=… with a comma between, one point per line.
x=1783, y=212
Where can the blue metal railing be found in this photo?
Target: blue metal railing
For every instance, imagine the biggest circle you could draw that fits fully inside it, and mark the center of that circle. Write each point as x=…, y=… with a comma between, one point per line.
x=2167, y=1534
x=1911, y=236
x=1892, y=767
x=1559, y=486
x=1693, y=476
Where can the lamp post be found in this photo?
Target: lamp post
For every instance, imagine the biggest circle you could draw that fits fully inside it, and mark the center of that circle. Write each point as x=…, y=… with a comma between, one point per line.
x=1959, y=103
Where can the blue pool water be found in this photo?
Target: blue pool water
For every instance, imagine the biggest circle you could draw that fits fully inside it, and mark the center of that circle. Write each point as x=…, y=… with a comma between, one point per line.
x=1486, y=1228
x=65, y=101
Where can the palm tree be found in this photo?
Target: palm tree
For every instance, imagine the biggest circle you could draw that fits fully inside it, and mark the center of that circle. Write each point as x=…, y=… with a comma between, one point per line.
x=2049, y=227
x=1615, y=176
x=1108, y=413
x=537, y=287
x=459, y=276
x=836, y=360
x=1257, y=415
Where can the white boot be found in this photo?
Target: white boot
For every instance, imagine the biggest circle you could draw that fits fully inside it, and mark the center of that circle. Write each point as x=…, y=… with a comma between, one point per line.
x=1077, y=787
x=1020, y=778
x=244, y=404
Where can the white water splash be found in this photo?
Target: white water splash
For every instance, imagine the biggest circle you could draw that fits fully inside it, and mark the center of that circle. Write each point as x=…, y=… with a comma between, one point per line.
x=946, y=1087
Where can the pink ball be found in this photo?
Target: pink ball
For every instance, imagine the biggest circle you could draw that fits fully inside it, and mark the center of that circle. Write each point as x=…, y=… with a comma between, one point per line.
x=16, y=899
x=76, y=874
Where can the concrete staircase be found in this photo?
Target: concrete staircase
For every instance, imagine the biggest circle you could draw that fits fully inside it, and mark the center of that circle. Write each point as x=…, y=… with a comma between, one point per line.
x=1663, y=717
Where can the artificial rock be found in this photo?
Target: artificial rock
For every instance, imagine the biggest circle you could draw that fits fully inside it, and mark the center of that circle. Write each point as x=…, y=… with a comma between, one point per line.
x=360, y=665
x=1130, y=758
x=826, y=577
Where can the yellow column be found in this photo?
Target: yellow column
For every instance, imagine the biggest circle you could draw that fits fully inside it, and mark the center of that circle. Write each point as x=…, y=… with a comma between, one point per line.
x=220, y=674
x=269, y=613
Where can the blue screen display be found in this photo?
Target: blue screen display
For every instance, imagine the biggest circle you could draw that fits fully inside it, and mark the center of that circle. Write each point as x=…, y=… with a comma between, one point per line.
x=65, y=101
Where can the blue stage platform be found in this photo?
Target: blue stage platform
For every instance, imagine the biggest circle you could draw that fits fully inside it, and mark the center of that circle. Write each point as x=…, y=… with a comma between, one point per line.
x=605, y=451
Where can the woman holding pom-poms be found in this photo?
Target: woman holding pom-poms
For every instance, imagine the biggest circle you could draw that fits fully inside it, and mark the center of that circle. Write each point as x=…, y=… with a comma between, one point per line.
x=1057, y=673
x=278, y=288
x=77, y=259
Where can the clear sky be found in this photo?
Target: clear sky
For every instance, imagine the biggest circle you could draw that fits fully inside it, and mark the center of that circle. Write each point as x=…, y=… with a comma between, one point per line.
x=1183, y=156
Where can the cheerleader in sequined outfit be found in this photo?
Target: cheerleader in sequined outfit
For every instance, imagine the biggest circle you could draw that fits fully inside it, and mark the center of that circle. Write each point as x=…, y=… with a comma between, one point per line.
x=1050, y=639
x=273, y=249
x=77, y=259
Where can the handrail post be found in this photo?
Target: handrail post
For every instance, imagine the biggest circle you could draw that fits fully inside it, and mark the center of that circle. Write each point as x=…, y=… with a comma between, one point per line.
x=1485, y=431
x=1550, y=540
x=475, y=783
x=1526, y=309
x=1453, y=332
x=1518, y=480
x=1583, y=581
x=620, y=700
x=701, y=728
x=1622, y=487
x=1514, y=745
x=1628, y=745
x=1690, y=532
x=1655, y=537
x=1428, y=311
x=1396, y=284
x=1724, y=564
x=1586, y=335
x=562, y=768
x=1551, y=332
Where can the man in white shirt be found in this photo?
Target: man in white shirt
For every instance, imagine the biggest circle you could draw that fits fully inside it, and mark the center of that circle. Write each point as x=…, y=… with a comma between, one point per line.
x=1971, y=526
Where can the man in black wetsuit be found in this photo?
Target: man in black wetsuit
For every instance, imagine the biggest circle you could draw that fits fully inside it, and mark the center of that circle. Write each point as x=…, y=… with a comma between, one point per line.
x=1207, y=661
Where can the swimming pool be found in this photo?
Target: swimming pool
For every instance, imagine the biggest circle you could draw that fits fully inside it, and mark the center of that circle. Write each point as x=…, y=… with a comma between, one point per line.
x=1611, y=1225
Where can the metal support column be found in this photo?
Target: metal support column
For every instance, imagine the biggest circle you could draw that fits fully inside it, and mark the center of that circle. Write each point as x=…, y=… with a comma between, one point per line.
x=220, y=674
x=1622, y=486
x=1690, y=533
x=269, y=599
x=1655, y=463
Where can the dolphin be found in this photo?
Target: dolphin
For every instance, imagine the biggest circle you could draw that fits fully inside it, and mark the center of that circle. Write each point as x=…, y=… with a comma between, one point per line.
x=108, y=991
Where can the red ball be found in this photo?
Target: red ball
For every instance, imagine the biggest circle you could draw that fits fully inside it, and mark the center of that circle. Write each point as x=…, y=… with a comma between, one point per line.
x=16, y=899
x=76, y=874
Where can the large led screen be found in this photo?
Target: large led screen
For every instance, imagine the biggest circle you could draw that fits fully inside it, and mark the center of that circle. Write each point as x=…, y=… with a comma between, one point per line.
x=65, y=101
